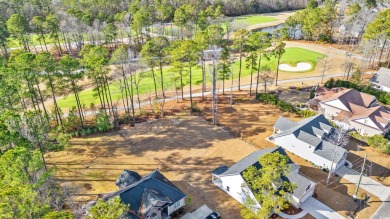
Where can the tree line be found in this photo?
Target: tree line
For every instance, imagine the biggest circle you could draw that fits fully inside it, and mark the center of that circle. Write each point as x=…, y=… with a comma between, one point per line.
x=363, y=23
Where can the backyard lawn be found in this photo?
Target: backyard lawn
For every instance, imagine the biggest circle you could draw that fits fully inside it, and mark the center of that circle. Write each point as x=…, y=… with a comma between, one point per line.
x=292, y=56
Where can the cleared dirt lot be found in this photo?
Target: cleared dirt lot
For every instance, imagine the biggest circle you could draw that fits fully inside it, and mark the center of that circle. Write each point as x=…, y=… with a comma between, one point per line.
x=186, y=149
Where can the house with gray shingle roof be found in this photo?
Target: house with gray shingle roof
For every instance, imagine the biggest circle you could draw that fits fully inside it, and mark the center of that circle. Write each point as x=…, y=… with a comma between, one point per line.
x=307, y=139
x=230, y=179
x=380, y=80
x=150, y=197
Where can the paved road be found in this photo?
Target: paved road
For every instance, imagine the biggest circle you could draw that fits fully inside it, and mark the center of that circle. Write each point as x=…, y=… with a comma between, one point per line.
x=371, y=186
x=318, y=210
x=227, y=90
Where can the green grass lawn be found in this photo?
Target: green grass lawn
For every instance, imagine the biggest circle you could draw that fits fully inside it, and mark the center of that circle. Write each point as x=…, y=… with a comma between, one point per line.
x=255, y=19
x=12, y=42
x=292, y=56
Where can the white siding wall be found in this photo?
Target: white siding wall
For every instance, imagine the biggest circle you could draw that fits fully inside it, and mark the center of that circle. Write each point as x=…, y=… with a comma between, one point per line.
x=337, y=104
x=235, y=183
x=302, y=149
x=367, y=121
x=171, y=208
x=364, y=129
x=308, y=194
x=294, y=145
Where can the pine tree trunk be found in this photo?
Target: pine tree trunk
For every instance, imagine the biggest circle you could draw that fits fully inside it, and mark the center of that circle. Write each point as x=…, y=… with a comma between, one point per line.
x=154, y=81
x=239, y=71
x=191, y=89
x=258, y=74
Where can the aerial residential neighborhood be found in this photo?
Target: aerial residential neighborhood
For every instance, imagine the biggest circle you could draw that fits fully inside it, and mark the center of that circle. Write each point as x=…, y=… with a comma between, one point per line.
x=192, y=109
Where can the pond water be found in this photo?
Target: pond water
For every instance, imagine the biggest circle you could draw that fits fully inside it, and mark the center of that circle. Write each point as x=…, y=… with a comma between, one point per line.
x=271, y=29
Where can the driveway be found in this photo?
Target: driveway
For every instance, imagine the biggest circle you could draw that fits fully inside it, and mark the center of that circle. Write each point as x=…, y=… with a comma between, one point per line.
x=371, y=186
x=318, y=210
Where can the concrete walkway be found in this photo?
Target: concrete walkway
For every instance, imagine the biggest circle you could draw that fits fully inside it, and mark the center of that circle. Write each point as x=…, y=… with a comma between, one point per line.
x=318, y=210
x=295, y=216
x=371, y=186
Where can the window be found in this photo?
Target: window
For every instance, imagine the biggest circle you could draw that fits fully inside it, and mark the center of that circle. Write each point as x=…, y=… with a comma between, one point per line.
x=176, y=205
x=228, y=188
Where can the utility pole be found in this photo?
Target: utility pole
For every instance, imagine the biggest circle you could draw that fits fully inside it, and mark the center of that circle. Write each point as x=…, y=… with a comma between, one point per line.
x=360, y=178
x=214, y=53
x=214, y=111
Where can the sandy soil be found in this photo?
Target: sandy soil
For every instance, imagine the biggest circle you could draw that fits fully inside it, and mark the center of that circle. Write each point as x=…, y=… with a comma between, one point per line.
x=186, y=149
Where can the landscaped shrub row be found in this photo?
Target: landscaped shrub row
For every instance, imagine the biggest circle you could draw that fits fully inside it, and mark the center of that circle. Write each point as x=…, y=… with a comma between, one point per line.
x=376, y=141
x=382, y=96
x=284, y=106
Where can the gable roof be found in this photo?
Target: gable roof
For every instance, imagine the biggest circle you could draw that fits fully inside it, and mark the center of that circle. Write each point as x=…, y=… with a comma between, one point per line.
x=307, y=129
x=253, y=160
x=152, y=191
x=378, y=115
x=303, y=183
x=345, y=96
x=284, y=123
x=310, y=131
x=382, y=77
x=250, y=160
x=327, y=150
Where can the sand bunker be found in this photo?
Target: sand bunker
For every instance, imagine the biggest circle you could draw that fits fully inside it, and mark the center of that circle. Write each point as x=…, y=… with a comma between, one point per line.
x=301, y=66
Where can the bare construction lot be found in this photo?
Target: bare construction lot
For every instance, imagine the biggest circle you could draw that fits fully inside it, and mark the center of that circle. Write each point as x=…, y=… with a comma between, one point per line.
x=185, y=149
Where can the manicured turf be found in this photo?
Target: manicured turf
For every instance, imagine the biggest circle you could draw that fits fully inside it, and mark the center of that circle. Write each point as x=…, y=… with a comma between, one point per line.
x=292, y=56
x=12, y=42
x=255, y=19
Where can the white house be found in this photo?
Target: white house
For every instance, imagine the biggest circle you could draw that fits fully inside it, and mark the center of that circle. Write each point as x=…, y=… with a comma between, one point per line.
x=307, y=139
x=352, y=110
x=380, y=80
x=230, y=179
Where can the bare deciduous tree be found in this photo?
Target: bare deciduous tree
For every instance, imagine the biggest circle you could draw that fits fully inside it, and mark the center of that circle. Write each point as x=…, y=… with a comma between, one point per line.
x=325, y=64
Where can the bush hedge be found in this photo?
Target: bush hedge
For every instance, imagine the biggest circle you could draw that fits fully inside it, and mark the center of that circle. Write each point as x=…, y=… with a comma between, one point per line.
x=382, y=96
x=283, y=105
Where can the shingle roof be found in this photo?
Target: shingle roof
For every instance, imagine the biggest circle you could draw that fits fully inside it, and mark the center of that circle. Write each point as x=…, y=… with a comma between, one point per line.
x=253, y=160
x=382, y=77
x=302, y=183
x=346, y=97
x=250, y=160
x=127, y=178
x=307, y=131
x=153, y=189
x=284, y=123
x=327, y=150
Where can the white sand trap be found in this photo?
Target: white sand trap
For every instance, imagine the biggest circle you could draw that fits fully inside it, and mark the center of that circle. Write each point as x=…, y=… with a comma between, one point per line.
x=301, y=66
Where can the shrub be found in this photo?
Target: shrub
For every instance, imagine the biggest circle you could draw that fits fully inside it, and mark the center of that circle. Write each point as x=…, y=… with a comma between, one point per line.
x=306, y=113
x=103, y=121
x=312, y=94
x=63, y=139
x=284, y=106
x=379, y=142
